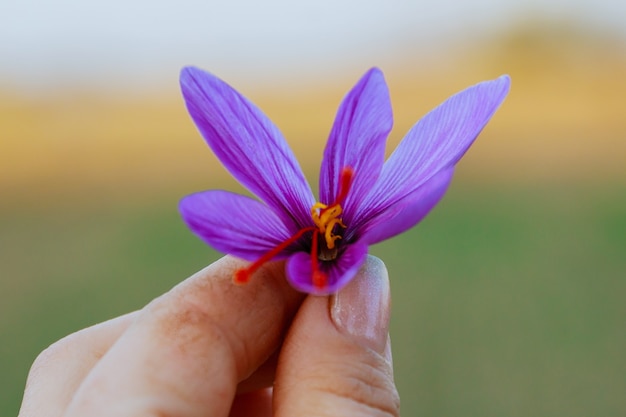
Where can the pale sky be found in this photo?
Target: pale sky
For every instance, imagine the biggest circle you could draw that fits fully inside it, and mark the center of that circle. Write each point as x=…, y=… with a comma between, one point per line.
x=47, y=43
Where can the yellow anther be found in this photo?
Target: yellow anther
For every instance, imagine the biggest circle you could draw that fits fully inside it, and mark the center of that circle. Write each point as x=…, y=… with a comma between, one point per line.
x=330, y=238
x=315, y=214
x=326, y=218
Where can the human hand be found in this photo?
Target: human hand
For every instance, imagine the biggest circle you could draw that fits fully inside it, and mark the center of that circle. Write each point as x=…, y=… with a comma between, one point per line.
x=211, y=348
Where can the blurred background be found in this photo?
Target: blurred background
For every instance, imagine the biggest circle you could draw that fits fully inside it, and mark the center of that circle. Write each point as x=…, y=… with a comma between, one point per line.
x=508, y=298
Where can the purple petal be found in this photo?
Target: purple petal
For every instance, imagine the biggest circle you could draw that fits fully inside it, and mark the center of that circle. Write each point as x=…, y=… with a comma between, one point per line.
x=435, y=143
x=340, y=271
x=407, y=212
x=232, y=223
x=248, y=144
x=357, y=140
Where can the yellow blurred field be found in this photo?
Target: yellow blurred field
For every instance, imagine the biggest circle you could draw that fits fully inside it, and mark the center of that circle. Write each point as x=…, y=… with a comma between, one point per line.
x=565, y=120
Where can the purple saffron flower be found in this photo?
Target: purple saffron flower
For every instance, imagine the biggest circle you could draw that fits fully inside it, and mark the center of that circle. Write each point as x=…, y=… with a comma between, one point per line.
x=363, y=199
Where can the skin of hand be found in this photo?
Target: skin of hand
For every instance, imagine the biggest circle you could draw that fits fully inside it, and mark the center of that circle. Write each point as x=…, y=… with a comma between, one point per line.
x=211, y=348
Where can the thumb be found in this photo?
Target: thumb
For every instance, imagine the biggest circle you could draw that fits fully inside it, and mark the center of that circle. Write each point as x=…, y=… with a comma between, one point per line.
x=336, y=359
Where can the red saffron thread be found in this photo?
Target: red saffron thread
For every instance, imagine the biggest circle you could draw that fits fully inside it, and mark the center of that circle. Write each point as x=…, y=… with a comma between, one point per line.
x=243, y=275
x=319, y=278
x=347, y=175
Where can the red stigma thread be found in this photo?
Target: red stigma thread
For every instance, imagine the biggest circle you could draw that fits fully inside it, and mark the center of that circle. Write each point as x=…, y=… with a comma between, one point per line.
x=325, y=217
x=318, y=277
x=243, y=275
x=347, y=175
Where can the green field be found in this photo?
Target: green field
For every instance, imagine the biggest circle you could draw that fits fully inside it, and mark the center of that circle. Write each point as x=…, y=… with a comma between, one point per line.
x=507, y=301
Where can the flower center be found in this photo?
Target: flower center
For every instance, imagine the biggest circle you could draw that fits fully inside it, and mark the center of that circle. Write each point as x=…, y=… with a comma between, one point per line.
x=326, y=219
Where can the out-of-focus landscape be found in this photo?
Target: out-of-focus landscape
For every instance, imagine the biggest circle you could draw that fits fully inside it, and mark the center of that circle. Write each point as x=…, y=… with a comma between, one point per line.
x=508, y=298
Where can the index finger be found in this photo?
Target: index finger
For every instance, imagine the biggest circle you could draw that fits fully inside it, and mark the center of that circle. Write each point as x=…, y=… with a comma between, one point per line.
x=187, y=350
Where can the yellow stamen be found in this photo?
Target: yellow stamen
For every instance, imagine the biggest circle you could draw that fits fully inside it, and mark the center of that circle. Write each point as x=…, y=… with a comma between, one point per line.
x=326, y=218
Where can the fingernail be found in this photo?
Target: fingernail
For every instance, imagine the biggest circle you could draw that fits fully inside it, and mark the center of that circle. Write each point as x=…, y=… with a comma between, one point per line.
x=361, y=309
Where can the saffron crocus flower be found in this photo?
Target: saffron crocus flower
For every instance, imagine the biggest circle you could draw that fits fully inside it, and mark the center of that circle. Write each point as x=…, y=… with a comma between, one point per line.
x=362, y=199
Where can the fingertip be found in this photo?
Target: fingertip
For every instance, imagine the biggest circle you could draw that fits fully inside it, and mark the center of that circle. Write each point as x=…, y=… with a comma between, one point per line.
x=361, y=310
x=336, y=357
